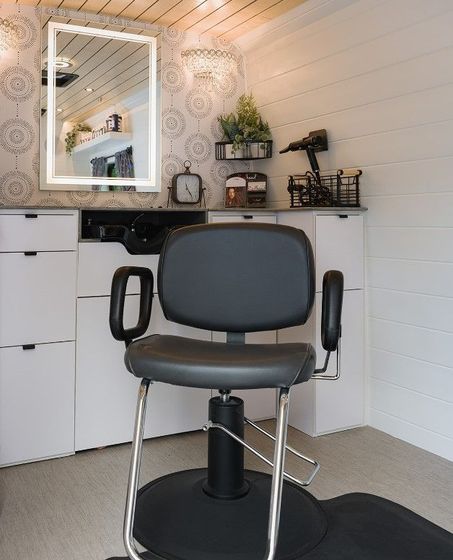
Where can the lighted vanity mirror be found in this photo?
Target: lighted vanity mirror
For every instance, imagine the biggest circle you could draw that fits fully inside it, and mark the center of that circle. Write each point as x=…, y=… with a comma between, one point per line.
x=99, y=110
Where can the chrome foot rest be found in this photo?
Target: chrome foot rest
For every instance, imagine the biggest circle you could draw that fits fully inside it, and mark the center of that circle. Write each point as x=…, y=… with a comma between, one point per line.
x=209, y=425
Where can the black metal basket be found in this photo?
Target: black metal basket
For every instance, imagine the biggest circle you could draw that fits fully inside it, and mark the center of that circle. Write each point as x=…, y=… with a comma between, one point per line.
x=341, y=189
x=250, y=150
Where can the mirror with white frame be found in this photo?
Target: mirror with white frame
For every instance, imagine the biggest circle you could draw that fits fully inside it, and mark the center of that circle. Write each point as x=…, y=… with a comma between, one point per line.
x=99, y=110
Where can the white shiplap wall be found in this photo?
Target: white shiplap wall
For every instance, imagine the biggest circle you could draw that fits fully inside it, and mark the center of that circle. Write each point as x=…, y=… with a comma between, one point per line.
x=378, y=75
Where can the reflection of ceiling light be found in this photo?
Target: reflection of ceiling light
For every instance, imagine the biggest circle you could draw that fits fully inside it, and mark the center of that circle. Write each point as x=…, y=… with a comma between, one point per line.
x=61, y=62
x=208, y=65
x=59, y=110
x=89, y=89
x=9, y=33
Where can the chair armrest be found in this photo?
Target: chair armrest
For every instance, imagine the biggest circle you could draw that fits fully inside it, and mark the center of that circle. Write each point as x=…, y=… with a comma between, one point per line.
x=117, y=299
x=332, y=304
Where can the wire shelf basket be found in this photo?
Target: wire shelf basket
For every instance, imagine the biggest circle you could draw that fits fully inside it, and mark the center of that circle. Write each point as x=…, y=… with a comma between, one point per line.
x=309, y=189
x=250, y=150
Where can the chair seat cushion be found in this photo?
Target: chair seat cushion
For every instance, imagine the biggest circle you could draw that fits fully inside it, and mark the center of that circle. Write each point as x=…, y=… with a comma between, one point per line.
x=215, y=365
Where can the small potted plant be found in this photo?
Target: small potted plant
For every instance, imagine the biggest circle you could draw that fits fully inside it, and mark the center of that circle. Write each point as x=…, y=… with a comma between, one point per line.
x=245, y=130
x=71, y=136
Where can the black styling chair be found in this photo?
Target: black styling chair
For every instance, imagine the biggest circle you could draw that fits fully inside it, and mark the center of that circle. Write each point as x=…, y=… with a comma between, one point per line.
x=236, y=278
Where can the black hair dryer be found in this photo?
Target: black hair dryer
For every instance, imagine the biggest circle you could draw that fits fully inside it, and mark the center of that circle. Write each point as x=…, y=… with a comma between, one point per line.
x=316, y=141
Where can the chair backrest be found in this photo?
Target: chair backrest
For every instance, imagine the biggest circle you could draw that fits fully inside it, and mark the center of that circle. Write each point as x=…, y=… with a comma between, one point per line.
x=237, y=277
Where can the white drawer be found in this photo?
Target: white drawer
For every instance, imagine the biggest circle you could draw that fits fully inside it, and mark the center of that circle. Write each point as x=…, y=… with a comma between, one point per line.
x=98, y=262
x=37, y=298
x=339, y=246
x=243, y=216
x=36, y=402
x=38, y=232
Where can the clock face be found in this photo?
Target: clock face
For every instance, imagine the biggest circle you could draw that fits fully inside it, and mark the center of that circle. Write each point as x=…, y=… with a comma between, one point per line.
x=187, y=188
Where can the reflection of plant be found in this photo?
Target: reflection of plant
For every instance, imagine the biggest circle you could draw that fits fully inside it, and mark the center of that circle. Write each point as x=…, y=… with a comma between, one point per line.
x=71, y=136
x=246, y=126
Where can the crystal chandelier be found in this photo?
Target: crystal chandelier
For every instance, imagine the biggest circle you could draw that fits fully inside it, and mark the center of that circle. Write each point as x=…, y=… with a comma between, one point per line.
x=9, y=33
x=209, y=65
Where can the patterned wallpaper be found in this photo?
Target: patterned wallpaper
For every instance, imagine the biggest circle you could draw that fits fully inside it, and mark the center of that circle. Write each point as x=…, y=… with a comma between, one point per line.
x=189, y=121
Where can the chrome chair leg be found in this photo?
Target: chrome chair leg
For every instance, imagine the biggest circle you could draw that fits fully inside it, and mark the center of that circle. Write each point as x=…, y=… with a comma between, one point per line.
x=134, y=473
x=277, y=476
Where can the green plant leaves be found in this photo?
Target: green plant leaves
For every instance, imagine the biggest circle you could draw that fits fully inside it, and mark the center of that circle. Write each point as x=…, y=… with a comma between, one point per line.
x=71, y=136
x=247, y=125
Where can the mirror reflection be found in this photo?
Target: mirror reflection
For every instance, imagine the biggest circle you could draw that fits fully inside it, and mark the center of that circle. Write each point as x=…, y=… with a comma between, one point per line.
x=99, y=101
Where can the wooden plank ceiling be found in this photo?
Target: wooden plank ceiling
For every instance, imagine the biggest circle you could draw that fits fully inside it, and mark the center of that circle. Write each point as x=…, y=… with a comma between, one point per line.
x=228, y=19
x=114, y=70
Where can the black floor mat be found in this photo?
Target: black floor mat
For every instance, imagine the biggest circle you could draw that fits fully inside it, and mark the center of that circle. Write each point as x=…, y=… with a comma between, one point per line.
x=359, y=527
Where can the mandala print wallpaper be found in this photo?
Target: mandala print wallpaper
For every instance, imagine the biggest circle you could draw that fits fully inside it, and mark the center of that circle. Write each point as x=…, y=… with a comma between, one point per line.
x=189, y=122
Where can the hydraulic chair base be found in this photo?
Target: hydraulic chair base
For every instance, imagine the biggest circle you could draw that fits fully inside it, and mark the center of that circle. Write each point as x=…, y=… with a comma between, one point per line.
x=221, y=513
x=177, y=520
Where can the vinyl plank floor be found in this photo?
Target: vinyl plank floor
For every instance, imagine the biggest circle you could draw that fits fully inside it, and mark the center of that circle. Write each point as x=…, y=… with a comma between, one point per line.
x=72, y=508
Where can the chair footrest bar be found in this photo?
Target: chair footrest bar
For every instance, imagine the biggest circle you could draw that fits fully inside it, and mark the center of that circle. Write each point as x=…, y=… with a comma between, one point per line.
x=210, y=425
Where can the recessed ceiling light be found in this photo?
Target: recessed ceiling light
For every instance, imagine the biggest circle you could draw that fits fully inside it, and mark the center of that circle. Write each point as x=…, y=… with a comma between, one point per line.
x=59, y=110
x=89, y=89
x=63, y=63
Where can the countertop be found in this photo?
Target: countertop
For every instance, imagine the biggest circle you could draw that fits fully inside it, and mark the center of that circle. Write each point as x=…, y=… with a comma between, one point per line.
x=193, y=209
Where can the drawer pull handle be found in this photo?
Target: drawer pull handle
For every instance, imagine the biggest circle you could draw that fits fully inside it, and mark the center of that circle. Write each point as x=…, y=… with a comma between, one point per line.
x=343, y=216
x=28, y=346
x=247, y=217
x=31, y=216
x=30, y=253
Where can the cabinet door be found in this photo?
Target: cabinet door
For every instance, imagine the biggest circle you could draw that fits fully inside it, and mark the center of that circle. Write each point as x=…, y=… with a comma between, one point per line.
x=258, y=403
x=37, y=298
x=303, y=400
x=36, y=402
x=340, y=403
x=106, y=392
x=322, y=406
x=339, y=246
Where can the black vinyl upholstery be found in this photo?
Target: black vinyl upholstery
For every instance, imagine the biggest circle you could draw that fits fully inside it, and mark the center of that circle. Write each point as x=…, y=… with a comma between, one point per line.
x=234, y=278
x=237, y=277
x=215, y=365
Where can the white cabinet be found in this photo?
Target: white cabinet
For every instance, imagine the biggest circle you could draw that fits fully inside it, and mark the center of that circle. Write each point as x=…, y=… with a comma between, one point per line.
x=339, y=246
x=37, y=297
x=39, y=280
x=98, y=262
x=322, y=406
x=36, y=402
x=258, y=403
x=106, y=393
x=38, y=270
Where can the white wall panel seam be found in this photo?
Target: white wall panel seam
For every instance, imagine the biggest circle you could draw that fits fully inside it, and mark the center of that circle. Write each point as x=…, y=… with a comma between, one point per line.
x=412, y=423
x=355, y=47
x=384, y=381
